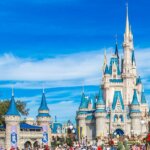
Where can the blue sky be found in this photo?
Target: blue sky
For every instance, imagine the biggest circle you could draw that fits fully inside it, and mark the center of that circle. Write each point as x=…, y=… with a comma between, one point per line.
x=60, y=44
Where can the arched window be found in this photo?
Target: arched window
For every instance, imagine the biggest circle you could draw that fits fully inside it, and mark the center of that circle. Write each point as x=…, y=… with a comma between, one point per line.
x=115, y=118
x=121, y=118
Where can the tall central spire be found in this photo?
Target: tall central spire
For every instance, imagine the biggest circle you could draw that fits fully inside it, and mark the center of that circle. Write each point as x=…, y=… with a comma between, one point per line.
x=127, y=30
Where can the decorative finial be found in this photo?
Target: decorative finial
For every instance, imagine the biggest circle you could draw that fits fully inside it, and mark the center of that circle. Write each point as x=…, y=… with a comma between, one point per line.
x=127, y=21
x=127, y=4
x=55, y=118
x=82, y=88
x=105, y=57
x=12, y=90
x=105, y=51
x=116, y=36
x=111, y=51
x=43, y=89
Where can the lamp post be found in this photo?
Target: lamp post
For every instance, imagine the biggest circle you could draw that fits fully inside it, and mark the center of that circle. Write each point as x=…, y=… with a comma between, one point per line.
x=132, y=132
x=142, y=123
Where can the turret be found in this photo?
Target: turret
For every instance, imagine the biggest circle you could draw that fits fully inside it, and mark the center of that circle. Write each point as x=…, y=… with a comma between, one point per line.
x=84, y=102
x=43, y=119
x=116, y=50
x=127, y=47
x=135, y=114
x=12, y=120
x=100, y=115
x=128, y=66
x=127, y=28
x=106, y=77
x=81, y=116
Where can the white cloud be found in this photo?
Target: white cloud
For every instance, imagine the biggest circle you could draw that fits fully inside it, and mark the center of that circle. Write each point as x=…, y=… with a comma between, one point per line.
x=58, y=71
x=65, y=70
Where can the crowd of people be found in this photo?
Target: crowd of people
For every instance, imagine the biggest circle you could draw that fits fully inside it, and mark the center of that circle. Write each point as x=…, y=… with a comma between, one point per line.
x=102, y=147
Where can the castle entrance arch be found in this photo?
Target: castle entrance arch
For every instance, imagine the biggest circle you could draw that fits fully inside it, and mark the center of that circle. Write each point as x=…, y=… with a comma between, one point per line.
x=119, y=132
x=27, y=145
x=36, y=144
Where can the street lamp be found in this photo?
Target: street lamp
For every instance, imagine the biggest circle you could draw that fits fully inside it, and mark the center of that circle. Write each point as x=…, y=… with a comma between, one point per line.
x=115, y=133
x=132, y=132
x=142, y=123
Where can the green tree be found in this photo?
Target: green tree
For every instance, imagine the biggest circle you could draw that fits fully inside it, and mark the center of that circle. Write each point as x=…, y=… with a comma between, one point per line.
x=21, y=106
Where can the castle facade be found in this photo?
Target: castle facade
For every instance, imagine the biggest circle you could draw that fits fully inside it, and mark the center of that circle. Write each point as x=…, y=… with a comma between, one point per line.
x=120, y=108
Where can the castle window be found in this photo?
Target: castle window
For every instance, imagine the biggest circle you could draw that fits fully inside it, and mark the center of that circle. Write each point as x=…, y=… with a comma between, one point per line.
x=121, y=118
x=115, y=118
x=114, y=76
x=114, y=70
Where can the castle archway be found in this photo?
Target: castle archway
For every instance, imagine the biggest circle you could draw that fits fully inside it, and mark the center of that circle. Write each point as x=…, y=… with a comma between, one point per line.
x=36, y=144
x=119, y=132
x=27, y=145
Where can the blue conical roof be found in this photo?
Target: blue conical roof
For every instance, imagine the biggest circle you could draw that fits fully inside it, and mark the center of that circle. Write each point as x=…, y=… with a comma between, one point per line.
x=12, y=110
x=116, y=51
x=106, y=70
x=100, y=100
x=135, y=98
x=138, y=80
x=43, y=105
x=143, y=99
x=84, y=102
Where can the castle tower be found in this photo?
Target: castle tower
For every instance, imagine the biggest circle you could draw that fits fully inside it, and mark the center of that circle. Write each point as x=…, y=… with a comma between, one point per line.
x=43, y=119
x=105, y=84
x=100, y=115
x=12, y=120
x=135, y=114
x=81, y=117
x=128, y=72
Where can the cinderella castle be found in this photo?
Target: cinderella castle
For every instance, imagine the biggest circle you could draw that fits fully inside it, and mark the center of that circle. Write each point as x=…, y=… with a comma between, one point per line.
x=120, y=108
